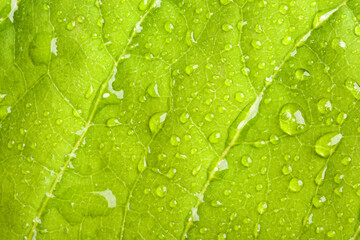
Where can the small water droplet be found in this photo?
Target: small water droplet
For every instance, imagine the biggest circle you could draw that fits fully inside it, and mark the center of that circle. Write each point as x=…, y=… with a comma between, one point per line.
x=346, y=161
x=274, y=139
x=287, y=169
x=112, y=122
x=318, y=201
x=286, y=40
x=144, y=4
x=89, y=92
x=175, y=140
x=161, y=191
x=256, y=44
x=71, y=25
x=325, y=146
x=341, y=118
x=168, y=27
x=262, y=207
x=320, y=176
x=246, y=161
x=295, y=185
x=283, y=9
x=324, y=106
x=59, y=121
x=302, y=74
x=240, y=97
x=156, y=122
x=225, y=2
x=184, y=117
x=227, y=27
x=171, y=173
x=292, y=119
x=353, y=87
x=209, y=117
x=196, y=170
x=214, y=137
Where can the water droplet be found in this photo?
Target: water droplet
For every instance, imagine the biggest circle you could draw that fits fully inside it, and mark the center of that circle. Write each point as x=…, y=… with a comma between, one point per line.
x=262, y=207
x=292, y=121
x=286, y=40
x=196, y=170
x=320, y=176
x=227, y=27
x=59, y=121
x=283, y=9
x=222, y=236
x=331, y=234
x=246, y=161
x=175, y=140
x=341, y=118
x=214, y=137
x=326, y=145
x=161, y=191
x=240, y=97
x=112, y=122
x=274, y=139
x=152, y=90
x=338, y=178
x=89, y=92
x=295, y=185
x=156, y=122
x=353, y=87
x=357, y=30
x=190, y=40
x=168, y=27
x=225, y=2
x=184, y=117
x=142, y=164
x=287, y=169
x=324, y=106
x=209, y=117
x=171, y=173
x=318, y=201
x=256, y=44
x=345, y=161
x=144, y=4
x=71, y=25
x=190, y=69
x=302, y=74
x=173, y=203
x=4, y=111
x=321, y=17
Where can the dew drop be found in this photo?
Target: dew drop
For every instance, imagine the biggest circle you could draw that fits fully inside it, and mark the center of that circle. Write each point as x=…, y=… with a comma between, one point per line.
x=240, y=97
x=190, y=40
x=246, y=161
x=144, y=4
x=341, y=118
x=89, y=92
x=71, y=25
x=225, y=2
x=157, y=121
x=302, y=74
x=286, y=40
x=324, y=106
x=295, y=185
x=262, y=207
x=353, y=87
x=320, y=176
x=274, y=139
x=4, y=111
x=227, y=27
x=196, y=170
x=209, y=117
x=325, y=146
x=287, y=169
x=318, y=201
x=256, y=44
x=214, y=137
x=161, y=191
x=168, y=27
x=357, y=30
x=292, y=120
x=184, y=117
x=346, y=161
x=112, y=122
x=152, y=90
x=175, y=140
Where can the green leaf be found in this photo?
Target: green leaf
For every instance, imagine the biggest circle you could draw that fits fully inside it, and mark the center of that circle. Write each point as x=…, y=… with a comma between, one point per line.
x=160, y=119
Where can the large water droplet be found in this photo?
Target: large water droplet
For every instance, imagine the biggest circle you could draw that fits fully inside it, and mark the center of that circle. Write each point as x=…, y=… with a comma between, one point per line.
x=292, y=119
x=157, y=121
x=325, y=146
x=318, y=201
x=175, y=140
x=168, y=27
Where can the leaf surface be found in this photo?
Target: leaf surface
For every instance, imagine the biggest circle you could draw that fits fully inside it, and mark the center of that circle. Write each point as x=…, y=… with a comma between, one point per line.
x=179, y=119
